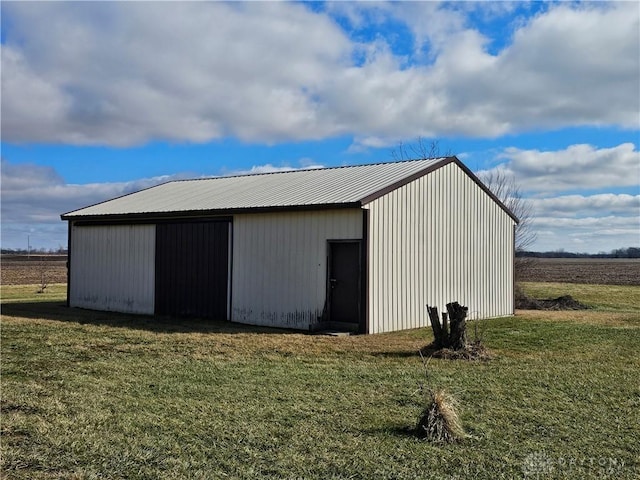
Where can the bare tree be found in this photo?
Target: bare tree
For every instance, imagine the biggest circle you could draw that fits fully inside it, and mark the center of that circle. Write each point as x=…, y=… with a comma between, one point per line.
x=505, y=187
x=43, y=273
x=421, y=149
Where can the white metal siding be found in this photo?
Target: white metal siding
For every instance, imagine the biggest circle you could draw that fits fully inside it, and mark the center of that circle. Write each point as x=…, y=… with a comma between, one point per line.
x=280, y=262
x=438, y=239
x=113, y=268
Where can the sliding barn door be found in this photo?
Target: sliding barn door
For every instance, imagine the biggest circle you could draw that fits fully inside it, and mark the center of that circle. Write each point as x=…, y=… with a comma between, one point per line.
x=192, y=269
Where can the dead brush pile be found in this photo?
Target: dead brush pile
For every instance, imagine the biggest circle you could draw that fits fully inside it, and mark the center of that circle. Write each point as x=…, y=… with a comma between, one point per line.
x=439, y=421
x=564, y=302
x=471, y=351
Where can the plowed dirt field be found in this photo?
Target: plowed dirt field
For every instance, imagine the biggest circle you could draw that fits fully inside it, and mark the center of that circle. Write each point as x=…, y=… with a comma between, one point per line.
x=605, y=271
x=23, y=270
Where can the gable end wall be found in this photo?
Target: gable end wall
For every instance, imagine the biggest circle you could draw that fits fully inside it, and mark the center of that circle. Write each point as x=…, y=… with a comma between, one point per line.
x=438, y=239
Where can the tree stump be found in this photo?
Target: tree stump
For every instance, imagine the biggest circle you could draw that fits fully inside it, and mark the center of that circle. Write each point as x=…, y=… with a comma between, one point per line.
x=452, y=331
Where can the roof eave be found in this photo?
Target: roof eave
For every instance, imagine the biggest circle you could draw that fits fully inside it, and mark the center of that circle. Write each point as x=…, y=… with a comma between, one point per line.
x=189, y=214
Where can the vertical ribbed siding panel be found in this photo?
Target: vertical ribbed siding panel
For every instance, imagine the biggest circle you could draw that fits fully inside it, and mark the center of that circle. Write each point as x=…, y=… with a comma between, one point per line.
x=113, y=268
x=192, y=276
x=438, y=239
x=279, y=264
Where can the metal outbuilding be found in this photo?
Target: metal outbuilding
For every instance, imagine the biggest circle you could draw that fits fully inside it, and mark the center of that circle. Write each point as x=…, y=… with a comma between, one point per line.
x=360, y=247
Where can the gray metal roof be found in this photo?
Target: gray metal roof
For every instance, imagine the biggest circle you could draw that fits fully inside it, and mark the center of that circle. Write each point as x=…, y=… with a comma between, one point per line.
x=346, y=186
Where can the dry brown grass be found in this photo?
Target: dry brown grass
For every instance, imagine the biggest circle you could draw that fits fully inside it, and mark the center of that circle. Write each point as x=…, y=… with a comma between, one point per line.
x=590, y=317
x=304, y=345
x=439, y=421
x=223, y=340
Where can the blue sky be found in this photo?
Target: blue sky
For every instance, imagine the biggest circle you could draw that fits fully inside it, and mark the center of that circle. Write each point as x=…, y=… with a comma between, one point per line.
x=100, y=99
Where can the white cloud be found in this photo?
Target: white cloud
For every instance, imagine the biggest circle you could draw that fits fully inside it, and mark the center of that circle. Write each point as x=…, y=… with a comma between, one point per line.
x=584, y=206
x=309, y=163
x=590, y=234
x=432, y=24
x=124, y=73
x=561, y=187
x=533, y=83
x=36, y=194
x=304, y=164
x=611, y=224
x=266, y=168
x=578, y=166
x=21, y=177
x=571, y=65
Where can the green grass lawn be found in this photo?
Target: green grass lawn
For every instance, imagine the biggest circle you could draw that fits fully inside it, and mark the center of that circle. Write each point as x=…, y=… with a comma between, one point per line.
x=56, y=292
x=608, y=297
x=99, y=395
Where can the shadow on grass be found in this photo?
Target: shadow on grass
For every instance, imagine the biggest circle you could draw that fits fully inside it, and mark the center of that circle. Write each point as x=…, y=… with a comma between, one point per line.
x=411, y=432
x=398, y=354
x=406, y=431
x=59, y=311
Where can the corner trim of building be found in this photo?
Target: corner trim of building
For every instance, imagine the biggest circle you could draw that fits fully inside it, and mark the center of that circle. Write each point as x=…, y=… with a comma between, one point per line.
x=69, y=226
x=364, y=272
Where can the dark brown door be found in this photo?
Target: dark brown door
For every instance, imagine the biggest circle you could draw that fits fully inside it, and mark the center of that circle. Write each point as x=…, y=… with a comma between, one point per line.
x=344, y=282
x=192, y=269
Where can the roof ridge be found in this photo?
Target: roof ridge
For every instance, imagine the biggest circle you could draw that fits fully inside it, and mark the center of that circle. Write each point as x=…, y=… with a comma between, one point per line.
x=309, y=169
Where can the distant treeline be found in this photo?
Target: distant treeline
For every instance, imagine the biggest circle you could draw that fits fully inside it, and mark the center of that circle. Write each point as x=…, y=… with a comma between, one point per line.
x=34, y=251
x=631, y=252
